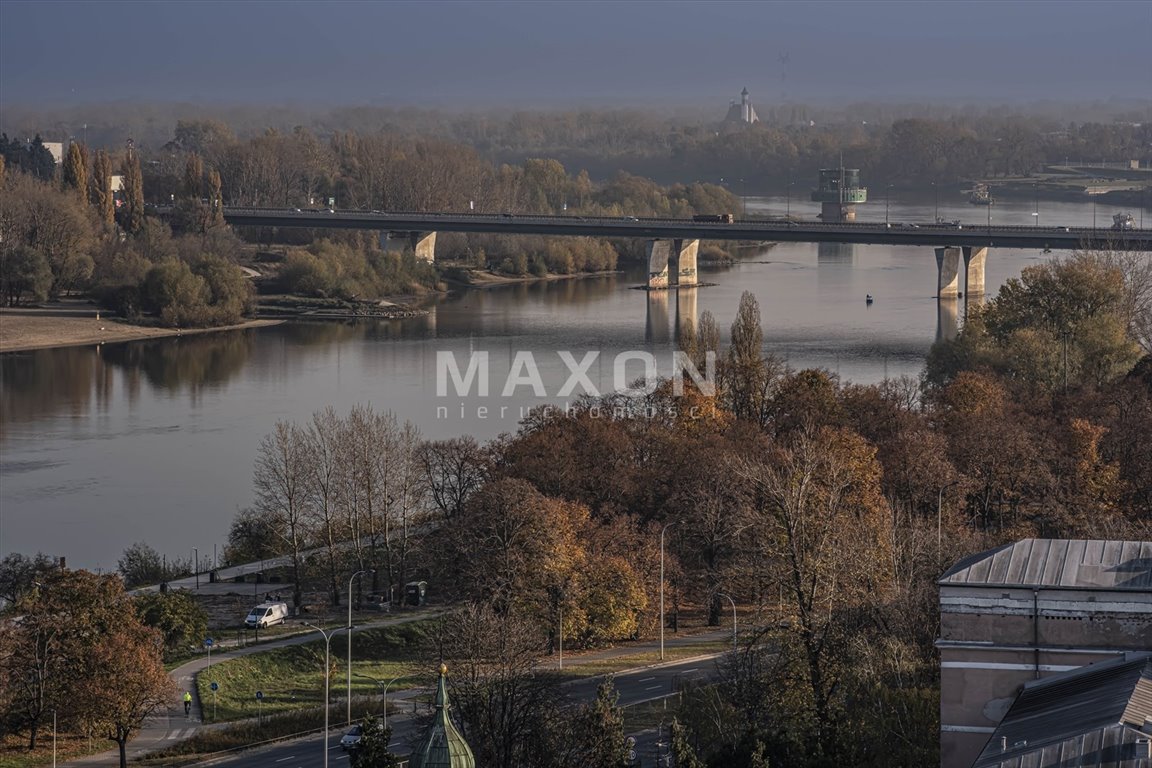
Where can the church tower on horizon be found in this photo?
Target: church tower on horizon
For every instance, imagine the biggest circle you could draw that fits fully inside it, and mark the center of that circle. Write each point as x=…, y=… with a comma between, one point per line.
x=742, y=111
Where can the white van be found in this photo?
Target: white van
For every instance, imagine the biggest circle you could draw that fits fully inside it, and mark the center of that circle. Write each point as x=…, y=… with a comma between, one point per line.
x=267, y=614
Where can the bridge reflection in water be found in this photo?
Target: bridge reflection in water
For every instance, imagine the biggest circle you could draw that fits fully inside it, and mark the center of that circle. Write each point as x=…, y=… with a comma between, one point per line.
x=948, y=314
x=835, y=253
x=658, y=326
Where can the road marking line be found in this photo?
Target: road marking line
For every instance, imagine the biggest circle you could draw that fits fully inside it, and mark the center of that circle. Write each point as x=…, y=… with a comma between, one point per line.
x=293, y=757
x=689, y=671
x=646, y=679
x=653, y=687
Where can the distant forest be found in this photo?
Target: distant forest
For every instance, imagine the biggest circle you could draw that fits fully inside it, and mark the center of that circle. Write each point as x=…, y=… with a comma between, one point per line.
x=904, y=145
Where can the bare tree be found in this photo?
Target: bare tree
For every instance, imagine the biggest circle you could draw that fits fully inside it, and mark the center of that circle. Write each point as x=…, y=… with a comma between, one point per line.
x=453, y=470
x=281, y=480
x=326, y=478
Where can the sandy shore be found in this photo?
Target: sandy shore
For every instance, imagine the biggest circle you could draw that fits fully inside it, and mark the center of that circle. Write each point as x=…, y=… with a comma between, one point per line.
x=24, y=329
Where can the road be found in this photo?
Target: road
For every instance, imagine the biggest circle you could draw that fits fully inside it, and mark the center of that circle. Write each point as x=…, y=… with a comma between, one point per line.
x=897, y=233
x=169, y=726
x=634, y=687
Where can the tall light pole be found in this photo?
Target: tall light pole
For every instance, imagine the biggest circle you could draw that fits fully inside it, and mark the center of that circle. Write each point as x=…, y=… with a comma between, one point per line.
x=887, y=192
x=788, y=204
x=385, y=699
x=662, y=532
x=196, y=565
x=383, y=691
x=349, y=627
x=561, y=607
x=327, y=667
x=744, y=198
x=936, y=189
x=1036, y=199
x=733, y=602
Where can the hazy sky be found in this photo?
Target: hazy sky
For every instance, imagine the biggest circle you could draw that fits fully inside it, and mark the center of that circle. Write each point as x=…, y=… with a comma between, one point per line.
x=567, y=52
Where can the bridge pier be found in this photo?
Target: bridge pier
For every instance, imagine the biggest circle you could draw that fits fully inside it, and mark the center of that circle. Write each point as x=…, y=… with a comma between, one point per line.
x=672, y=263
x=423, y=244
x=947, y=272
x=974, y=258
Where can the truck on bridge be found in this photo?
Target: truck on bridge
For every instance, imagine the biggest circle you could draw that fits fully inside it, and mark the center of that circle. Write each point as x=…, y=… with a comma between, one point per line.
x=1123, y=221
x=717, y=218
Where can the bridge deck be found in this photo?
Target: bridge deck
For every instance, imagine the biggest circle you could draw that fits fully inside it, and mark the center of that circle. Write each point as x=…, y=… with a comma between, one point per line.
x=1059, y=238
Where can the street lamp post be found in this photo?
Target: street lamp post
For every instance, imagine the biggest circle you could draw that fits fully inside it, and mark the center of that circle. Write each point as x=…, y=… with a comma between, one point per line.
x=384, y=700
x=733, y=602
x=744, y=198
x=561, y=607
x=327, y=667
x=887, y=192
x=662, y=532
x=1036, y=200
x=358, y=573
x=788, y=203
x=196, y=565
x=936, y=190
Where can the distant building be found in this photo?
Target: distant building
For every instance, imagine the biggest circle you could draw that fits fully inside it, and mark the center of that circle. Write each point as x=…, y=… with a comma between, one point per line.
x=1026, y=611
x=1098, y=715
x=742, y=111
x=57, y=150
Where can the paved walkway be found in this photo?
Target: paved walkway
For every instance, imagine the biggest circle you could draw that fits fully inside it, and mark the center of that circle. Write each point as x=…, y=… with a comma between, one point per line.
x=168, y=727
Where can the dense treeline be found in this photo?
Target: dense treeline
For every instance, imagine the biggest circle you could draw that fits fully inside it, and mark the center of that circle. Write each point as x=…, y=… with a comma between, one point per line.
x=826, y=510
x=897, y=144
x=68, y=235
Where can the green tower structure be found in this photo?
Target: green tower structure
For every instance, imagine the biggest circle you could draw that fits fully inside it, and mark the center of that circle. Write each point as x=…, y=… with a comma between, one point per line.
x=442, y=745
x=838, y=194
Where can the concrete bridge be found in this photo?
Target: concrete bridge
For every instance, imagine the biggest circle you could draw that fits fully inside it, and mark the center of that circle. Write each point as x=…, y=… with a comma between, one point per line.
x=673, y=243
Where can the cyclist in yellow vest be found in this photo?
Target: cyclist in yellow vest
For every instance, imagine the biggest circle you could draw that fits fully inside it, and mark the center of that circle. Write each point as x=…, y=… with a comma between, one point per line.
x=187, y=703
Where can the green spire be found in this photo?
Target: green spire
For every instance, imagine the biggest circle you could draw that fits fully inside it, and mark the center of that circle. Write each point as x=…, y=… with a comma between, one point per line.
x=442, y=745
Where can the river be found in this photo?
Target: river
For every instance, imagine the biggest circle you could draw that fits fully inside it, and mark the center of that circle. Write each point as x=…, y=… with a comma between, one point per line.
x=154, y=440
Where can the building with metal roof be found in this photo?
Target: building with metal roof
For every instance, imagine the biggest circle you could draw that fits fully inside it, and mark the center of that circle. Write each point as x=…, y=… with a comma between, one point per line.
x=1026, y=611
x=1098, y=716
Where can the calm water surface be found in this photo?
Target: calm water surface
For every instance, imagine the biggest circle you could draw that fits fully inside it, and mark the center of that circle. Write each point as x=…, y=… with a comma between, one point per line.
x=154, y=440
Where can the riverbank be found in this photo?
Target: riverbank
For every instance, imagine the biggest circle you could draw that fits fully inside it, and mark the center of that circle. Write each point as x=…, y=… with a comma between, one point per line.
x=24, y=329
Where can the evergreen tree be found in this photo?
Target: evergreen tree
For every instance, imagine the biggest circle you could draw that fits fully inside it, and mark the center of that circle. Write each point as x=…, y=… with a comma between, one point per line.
x=133, y=214
x=76, y=170
x=41, y=163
